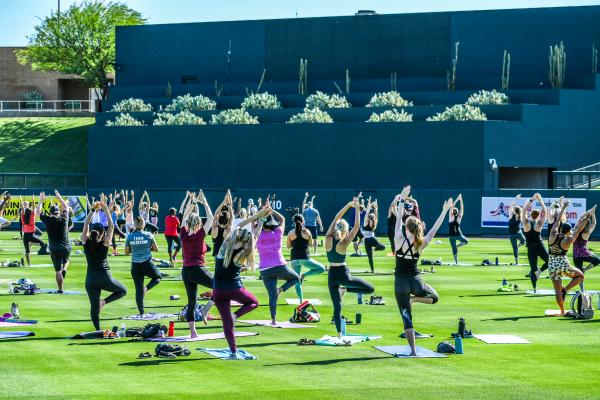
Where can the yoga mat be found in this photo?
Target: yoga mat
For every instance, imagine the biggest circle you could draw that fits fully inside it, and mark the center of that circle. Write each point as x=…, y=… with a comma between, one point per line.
x=55, y=291
x=15, y=334
x=296, y=302
x=13, y=323
x=417, y=335
x=552, y=313
x=225, y=354
x=150, y=317
x=267, y=322
x=544, y=292
x=501, y=339
x=352, y=339
x=404, y=351
x=200, y=338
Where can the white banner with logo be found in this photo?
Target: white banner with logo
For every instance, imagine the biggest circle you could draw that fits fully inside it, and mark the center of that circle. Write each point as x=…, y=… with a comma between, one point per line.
x=495, y=210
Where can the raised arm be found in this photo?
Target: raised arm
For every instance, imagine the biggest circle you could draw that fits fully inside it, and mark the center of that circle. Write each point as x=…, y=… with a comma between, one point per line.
x=63, y=204
x=400, y=200
x=85, y=232
x=367, y=212
x=356, y=226
x=337, y=217
x=526, y=206
x=262, y=213
x=280, y=218
x=376, y=212
x=511, y=209
x=184, y=202
x=431, y=234
x=304, y=202
x=209, y=214
x=111, y=225
x=555, y=226
x=38, y=208
x=543, y=212
x=461, y=210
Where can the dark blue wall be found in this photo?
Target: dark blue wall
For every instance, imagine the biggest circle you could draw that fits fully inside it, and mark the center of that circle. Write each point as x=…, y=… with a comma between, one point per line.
x=416, y=46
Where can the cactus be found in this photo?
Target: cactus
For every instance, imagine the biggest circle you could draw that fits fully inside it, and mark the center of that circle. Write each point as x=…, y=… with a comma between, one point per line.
x=557, y=63
x=303, y=76
x=393, y=77
x=218, y=88
x=594, y=59
x=347, y=81
x=262, y=80
x=339, y=89
x=169, y=90
x=451, y=77
x=505, y=70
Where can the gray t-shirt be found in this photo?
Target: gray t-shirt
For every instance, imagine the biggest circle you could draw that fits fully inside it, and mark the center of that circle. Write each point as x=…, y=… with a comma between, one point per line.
x=140, y=243
x=310, y=216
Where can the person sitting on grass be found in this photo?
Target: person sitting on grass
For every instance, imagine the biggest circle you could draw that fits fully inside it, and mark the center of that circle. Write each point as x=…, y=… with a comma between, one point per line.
x=410, y=244
x=96, y=242
x=562, y=237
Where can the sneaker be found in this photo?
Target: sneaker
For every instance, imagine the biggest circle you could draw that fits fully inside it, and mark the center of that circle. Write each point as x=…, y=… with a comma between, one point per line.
x=106, y=333
x=113, y=335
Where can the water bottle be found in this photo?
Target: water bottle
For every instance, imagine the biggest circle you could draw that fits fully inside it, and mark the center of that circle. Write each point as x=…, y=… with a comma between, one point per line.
x=458, y=344
x=504, y=282
x=14, y=310
x=359, y=297
x=123, y=332
x=343, y=326
x=496, y=260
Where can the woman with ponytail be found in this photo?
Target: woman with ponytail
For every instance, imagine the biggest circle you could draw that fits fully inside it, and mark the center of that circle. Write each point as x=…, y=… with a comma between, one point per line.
x=368, y=230
x=337, y=240
x=236, y=254
x=299, y=241
x=96, y=242
x=410, y=244
x=533, y=238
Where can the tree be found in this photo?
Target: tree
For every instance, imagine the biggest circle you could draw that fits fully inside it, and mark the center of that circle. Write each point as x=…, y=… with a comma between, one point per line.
x=80, y=41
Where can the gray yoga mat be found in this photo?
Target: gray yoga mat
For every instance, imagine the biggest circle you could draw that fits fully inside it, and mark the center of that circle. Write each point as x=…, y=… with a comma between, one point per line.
x=15, y=334
x=404, y=351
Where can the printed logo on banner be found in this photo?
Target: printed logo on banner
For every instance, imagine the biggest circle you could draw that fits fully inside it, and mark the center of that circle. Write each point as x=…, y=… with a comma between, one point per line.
x=495, y=211
x=76, y=203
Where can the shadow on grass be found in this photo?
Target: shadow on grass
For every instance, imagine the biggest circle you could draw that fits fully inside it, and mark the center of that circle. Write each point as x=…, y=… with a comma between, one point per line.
x=84, y=320
x=329, y=362
x=103, y=342
x=28, y=338
x=493, y=294
x=586, y=321
x=158, y=361
x=269, y=344
x=515, y=318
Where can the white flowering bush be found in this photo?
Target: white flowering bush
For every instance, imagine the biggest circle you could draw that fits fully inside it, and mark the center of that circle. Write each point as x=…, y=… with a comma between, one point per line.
x=233, y=117
x=265, y=101
x=459, y=112
x=322, y=100
x=182, y=118
x=131, y=105
x=191, y=103
x=311, y=116
x=388, y=99
x=391, y=116
x=484, y=97
x=125, y=120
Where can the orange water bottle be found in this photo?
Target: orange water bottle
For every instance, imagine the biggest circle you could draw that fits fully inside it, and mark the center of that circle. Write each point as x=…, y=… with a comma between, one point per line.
x=171, y=329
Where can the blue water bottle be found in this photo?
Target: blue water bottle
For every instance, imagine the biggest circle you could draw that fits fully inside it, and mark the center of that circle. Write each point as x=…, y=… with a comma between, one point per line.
x=343, y=326
x=458, y=344
x=504, y=282
x=359, y=298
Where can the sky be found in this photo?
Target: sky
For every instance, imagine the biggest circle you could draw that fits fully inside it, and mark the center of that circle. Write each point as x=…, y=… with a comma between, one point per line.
x=18, y=17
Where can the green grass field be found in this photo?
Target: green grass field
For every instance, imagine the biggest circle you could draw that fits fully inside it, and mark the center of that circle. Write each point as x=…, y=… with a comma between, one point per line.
x=44, y=144
x=563, y=360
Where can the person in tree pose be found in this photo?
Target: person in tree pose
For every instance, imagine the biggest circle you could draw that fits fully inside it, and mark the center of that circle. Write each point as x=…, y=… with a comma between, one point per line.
x=533, y=237
x=454, y=232
x=515, y=234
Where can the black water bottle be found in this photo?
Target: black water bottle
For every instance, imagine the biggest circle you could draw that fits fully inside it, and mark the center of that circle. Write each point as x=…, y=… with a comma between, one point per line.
x=461, y=327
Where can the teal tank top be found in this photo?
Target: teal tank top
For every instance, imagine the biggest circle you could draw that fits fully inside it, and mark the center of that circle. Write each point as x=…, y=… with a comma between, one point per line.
x=333, y=256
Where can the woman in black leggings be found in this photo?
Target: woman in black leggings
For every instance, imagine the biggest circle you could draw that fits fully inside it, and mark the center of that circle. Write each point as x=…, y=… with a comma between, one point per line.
x=368, y=230
x=533, y=238
x=337, y=240
x=194, y=271
x=96, y=243
x=410, y=244
x=221, y=225
x=581, y=252
x=515, y=234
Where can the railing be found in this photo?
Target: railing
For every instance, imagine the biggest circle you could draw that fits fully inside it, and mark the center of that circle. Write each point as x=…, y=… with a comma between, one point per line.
x=45, y=181
x=587, y=177
x=47, y=106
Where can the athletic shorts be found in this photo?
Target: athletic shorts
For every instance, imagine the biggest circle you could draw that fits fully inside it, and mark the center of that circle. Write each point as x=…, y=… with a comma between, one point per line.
x=313, y=231
x=59, y=258
x=359, y=236
x=559, y=266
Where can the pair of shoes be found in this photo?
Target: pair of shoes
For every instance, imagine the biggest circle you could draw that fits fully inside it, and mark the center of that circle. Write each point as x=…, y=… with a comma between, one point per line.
x=306, y=342
x=145, y=355
x=108, y=334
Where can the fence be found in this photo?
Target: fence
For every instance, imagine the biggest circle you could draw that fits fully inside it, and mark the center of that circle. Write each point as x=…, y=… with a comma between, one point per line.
x=587, y=177
x=42, y=181
x=47, y=106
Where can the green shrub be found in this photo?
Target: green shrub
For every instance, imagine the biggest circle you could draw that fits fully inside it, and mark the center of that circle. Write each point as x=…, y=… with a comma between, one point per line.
x=459, y=112
x=311, y=116
x=388, y=99
x=322, y=100
x=233, y=117
x=131, y=105
x=125, y=120
x=265, y=101
x=391, y=116
x=485, y=97
x=191, y=103
x=182, y=118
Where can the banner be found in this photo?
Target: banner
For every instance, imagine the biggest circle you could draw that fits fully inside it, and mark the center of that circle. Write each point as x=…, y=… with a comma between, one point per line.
x=495, y=210
x=76, y=203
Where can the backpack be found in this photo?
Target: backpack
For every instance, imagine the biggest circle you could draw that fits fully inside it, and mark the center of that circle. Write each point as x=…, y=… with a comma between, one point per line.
x=305, y=312
x=197, y=313
x=152, y=330
x=582, y=306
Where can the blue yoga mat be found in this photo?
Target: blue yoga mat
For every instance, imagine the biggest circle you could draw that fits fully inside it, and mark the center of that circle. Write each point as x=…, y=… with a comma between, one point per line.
x=15, y=334
x=404, y=351
x=225, y=354
x=55, y=291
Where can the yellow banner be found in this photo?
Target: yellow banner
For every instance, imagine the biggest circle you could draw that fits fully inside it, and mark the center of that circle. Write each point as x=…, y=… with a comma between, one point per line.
x=76, y=203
